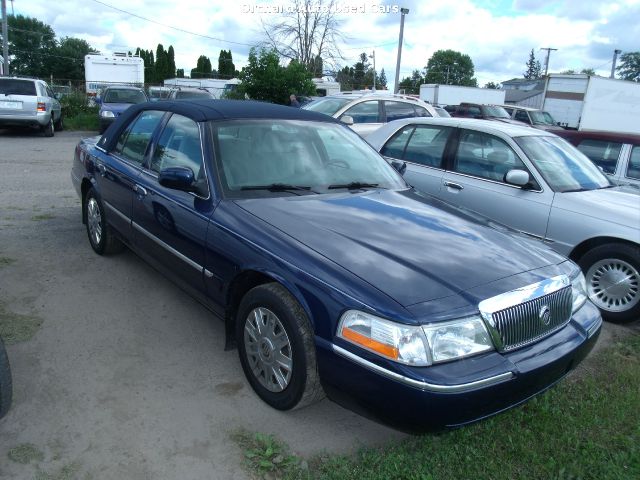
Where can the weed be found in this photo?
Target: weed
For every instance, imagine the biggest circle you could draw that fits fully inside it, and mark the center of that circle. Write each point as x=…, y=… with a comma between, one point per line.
x=267, y=455
x=16, y=328
x=6, y=261
x=25, y=453
x=43, y=216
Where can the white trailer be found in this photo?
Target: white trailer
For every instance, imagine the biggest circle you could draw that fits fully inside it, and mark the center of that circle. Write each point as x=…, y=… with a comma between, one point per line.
x=588, y=102
x=217, y=87
x=326, y=86
x=436, y=94
x=101, y=70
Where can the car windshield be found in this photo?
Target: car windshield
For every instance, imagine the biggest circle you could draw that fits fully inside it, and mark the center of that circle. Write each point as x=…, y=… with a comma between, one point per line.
x=116, y=95
x=541, y=118
x=284, y=157
x=495, y=111
x=185, y=94
x=10, y=86
x=562, y=165
x=328, y=106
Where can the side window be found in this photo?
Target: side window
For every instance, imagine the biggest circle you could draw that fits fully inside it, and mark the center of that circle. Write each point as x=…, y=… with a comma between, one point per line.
x=483, y=155
x=134, y=140
x=522, y=116
x=364, y=112
x=601, y=152
x=398, y=110
x=421, y=111
x=427, y=144
x=473, y=112
x=633, y=171
x=179, y=146
x=394, y=148
x=49, y=92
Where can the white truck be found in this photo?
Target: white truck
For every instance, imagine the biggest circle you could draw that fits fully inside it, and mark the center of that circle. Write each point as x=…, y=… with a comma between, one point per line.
x=217, y=87
x=587, y=102
x=437, y=94
x=326, y=86
x=102, y=70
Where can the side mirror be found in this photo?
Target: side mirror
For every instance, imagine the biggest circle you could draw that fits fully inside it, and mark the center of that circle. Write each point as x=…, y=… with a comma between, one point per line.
x=517, y=177
x=57, y=96
x=177, y=178
x=401, y=167
x=346, y=119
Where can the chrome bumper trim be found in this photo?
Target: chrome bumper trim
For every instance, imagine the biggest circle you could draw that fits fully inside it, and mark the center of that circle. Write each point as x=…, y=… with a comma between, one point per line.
x=429, y=387
x=594, y=328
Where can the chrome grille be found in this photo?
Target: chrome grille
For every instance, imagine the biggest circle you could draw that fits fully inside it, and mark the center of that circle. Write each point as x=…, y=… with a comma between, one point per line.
x=526, y=315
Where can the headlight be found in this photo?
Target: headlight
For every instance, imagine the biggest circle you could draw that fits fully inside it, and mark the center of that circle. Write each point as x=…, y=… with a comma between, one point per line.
x=457, y=339
x=415, y=345
x=107, y=114
x=578, y=289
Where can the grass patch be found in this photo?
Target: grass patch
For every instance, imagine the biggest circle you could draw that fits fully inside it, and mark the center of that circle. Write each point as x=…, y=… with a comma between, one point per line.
x=6, y=261
x=43, y=216
x=266, y=455
x=82, y=121
x=16, y=328
x=67, y=472
x=586, y=428
x=25, y=453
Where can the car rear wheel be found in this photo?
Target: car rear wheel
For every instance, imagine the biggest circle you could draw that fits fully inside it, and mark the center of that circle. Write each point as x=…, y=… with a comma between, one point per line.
x=277, y=349
x=6, y=387
x=101, y=237
x=47, y=130
x=59, y=125
x=612, y=273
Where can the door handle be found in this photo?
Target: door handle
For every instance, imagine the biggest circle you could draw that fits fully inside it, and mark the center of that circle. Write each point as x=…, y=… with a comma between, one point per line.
x=140, y=190
x=102, y=169
x=455, y=186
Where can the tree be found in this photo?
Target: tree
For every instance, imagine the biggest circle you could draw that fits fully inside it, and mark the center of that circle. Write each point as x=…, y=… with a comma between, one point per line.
x=162, y=64
x=265, y=79
x=310, y=29
x=382, y=80
x=171, y=63
x=451, y=68
x=69, y=55
x=226, y=68
x=629, y=68
x=180, y=73
x=534, y=70
x=32, y=46
x=203, y=68
x=411, y=85
x=492, y=85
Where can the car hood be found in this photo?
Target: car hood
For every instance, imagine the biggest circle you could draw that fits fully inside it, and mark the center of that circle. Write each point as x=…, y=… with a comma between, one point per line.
x=116, y=107
x=619, y=205
x=410, y=247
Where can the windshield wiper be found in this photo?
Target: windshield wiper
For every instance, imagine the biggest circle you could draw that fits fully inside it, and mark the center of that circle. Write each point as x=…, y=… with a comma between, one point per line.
x=277, y=187
x=353, y=185
x=582, y=189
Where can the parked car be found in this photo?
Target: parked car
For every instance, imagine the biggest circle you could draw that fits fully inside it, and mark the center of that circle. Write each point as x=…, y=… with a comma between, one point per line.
x=6, y=387
x=617, y=154
x=536, y=183
x=486, y=112
x=534, y=117
x=29, y=102
x=190, y=93
x=115, y=100
x=158, y=93
x=366, y=112
x=311, y=248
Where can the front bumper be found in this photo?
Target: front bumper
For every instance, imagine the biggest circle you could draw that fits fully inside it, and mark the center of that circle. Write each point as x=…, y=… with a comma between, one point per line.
x=457, y=392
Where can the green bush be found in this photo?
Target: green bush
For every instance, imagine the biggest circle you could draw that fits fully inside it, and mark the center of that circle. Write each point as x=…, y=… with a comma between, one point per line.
x=75, y=104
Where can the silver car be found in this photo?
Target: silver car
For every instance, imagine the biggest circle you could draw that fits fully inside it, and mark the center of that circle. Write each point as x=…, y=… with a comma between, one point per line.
x=536, y=183
x=28, y=102
x=366, y=112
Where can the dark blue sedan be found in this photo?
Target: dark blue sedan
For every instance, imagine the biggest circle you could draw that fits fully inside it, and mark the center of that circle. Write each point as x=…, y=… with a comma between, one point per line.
x=331, y=273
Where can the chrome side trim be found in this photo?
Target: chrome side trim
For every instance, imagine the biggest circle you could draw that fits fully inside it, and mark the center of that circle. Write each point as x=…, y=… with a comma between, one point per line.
x=168, y=247
x=427, y=387
x=594, y=328
x=116, y=211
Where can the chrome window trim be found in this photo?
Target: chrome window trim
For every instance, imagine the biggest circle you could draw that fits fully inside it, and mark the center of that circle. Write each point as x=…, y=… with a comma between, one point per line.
x=494, y=181
x=625, y=168
x=425, y=386
x=167, y=247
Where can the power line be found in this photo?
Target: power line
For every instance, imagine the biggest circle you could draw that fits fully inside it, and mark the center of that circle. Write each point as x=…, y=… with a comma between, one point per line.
x=174, y=28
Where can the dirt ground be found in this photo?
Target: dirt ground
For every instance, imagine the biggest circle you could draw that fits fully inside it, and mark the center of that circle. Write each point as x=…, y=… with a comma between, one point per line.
x=118, y=374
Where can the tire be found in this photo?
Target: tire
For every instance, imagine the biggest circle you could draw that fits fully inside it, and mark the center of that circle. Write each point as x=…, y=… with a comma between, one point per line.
x=285, y=335
x=47, y=130
x=6, y=386
x=59, y=125
x=101, y=236
x=612, y=272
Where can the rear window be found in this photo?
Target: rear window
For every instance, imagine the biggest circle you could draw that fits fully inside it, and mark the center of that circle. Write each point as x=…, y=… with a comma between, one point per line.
x=12, y=86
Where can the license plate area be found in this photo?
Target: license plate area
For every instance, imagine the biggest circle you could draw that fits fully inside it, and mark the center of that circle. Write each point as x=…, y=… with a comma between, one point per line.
x=10, y=105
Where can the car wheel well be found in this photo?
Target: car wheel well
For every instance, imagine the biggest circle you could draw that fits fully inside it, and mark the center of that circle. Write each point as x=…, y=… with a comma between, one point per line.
x=239, y=286
x=581, y=249
x=84, y=188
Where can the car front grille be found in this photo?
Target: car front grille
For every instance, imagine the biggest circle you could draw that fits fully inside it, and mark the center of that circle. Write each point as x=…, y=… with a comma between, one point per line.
x=524, y=316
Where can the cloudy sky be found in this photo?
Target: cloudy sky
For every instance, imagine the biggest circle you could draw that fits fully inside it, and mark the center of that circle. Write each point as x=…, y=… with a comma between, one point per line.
x=498, y=35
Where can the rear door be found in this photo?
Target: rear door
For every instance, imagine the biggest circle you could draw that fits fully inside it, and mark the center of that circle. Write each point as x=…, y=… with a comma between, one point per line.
x=476, y=180
x=18, y=97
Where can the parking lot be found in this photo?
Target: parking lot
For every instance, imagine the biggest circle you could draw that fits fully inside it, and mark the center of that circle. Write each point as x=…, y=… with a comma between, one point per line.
x=120, y=374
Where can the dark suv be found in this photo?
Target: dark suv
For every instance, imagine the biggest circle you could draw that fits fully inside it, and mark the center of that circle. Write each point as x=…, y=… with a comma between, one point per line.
x=486, y=112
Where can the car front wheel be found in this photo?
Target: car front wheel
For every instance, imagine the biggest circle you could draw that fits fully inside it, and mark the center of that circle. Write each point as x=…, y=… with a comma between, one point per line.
x=276, y=347
x=101, y=237
x=612, y=273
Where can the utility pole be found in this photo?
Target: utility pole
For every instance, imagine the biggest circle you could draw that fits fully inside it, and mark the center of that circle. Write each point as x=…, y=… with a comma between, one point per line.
x=403, y=12
x=5, y=40
x=546, y=62
x=616, y=52
x=374, y=69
